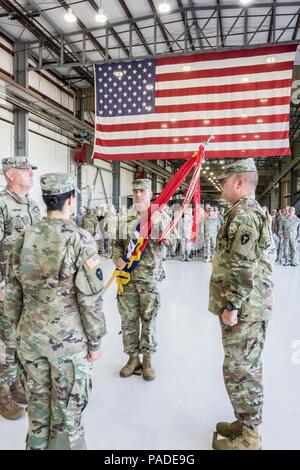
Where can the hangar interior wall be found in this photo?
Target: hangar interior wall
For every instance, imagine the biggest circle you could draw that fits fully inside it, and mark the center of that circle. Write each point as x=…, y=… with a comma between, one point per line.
x=48, y=148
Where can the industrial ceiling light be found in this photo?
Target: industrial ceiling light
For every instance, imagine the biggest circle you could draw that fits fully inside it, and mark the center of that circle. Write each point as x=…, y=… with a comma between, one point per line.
x=246, y=2
x=164, y=7
x=69, y=16
x=100, y=17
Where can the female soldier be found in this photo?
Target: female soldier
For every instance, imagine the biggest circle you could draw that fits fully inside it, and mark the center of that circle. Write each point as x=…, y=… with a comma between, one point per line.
x=54, y=303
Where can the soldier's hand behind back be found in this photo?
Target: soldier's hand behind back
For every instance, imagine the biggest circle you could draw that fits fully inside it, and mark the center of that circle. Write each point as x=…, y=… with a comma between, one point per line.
x=94, y=355
x=2, y=295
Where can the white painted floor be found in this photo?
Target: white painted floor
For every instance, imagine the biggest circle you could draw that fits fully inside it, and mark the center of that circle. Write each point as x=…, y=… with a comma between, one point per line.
x=180, y=408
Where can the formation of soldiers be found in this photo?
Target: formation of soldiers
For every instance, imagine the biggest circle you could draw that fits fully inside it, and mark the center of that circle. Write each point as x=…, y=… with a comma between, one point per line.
x=51, y=298
x=286, y=234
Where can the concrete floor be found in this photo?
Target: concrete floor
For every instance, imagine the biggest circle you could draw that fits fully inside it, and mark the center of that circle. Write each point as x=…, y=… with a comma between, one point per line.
x=180, y=408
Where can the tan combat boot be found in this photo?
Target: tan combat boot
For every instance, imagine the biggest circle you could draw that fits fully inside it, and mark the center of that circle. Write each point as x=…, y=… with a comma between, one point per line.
x=229, y=429
x=8, y=407
x=133, y=366
x=148, y=371
x=249, y=439
x=17, y=392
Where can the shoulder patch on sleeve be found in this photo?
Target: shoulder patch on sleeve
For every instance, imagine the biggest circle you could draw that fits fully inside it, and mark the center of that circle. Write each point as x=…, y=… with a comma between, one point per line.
x=92, y=262
x=244, y=241
x=89, y=278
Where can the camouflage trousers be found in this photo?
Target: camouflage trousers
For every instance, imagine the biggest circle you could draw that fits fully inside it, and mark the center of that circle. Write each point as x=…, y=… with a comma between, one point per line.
x=138, y=307
x=8, y=365
x=185, y=247
x=242, y=369
x=210, y=245
x=290, y=251
x=57, y=391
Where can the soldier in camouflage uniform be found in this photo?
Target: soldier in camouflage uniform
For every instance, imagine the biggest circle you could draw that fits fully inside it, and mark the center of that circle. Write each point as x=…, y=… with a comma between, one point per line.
x=90, y=222
x=241, y=295
x=211, y=228
x=17, y=212
x=186, y=234
x=138, y=305
x=110, y=228
x=54, y=301
x=289, y=231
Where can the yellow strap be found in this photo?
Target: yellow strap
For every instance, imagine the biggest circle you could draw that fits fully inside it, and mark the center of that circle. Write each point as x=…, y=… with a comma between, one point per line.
x=136, y=257
x=122, y=278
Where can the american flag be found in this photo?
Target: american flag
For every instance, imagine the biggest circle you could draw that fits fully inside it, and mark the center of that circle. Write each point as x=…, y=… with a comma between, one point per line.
x=163, y=108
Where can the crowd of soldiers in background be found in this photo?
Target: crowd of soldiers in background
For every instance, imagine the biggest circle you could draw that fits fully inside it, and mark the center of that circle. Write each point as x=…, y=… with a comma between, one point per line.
x=286, y=234
x=103, y=223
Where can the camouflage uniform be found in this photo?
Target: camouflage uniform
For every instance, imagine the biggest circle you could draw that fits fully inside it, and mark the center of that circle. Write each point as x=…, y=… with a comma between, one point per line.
x=186, y=234
x=54, y=300
x=211, y=228
x=241, y=274
x=140, y=300
x=16, y=215
x=290, y=231
x=90, y=223
x=110, y=229
x=280, y=251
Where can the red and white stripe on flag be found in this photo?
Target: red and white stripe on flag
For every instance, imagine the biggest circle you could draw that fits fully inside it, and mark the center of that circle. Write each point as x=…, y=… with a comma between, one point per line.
x=164, y=108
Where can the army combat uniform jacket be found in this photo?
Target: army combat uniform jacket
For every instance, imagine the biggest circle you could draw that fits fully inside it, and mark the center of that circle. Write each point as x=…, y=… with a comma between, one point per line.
x=242, y=263
x=54, y=291
x=16, y=214
x=150, y=267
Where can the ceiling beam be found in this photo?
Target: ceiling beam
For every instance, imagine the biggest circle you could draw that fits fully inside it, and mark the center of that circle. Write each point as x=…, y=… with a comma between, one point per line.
x=296, y=27
x=220, y=23
x=271, y=32
x=89, y=35
x=40, y=33
x=112, y=30
x=179, y=3
x=135, y=27
x=161, y=26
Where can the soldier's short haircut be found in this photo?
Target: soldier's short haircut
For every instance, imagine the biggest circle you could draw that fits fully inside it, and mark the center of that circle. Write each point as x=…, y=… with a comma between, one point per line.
x=56, y=202
x=251, y=177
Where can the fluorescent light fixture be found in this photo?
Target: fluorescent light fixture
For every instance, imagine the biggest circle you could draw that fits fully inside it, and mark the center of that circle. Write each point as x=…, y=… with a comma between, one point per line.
x=100, y=17
x=69, y=16
x=246, y=2
x=164, y=7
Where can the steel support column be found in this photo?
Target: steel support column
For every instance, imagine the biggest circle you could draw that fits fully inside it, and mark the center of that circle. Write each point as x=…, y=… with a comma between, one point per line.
x=20, y=115
x=154, y=183
x=294, y=177
x=79, y=186
x=272, y=199
x=116, y=184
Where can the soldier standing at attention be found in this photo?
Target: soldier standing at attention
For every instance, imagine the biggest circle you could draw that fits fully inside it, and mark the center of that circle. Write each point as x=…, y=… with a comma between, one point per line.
x=138, y=305
x=241, y=295
x=211, y=227
x=90, y=222
x=54, y=301
x=289, y=231
x=17, y=212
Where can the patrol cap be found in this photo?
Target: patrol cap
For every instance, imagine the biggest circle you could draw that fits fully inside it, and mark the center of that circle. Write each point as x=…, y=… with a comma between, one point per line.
x=141, y=184
x=241, y=166
x=57, y=183
x=21, y=162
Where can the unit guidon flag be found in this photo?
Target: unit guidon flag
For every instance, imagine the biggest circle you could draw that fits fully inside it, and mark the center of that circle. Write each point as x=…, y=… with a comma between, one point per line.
x=163, y=108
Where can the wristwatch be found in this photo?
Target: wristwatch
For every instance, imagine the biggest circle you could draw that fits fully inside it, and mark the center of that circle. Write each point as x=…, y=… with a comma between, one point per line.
x=229, y=307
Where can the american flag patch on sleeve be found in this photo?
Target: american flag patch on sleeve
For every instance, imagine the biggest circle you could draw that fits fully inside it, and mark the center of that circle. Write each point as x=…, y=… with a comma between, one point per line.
x=93, y=262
